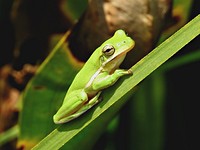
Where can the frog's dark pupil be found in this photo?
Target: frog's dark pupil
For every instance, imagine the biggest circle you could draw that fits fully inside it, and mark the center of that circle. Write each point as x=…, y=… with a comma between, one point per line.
x=108, y=50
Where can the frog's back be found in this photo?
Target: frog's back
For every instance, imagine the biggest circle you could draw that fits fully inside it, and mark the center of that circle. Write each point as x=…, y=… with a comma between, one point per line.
x=85, y=74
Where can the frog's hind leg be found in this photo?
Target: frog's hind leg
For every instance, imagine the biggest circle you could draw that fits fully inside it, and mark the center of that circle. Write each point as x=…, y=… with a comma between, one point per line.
x=87, y=106
x=94, y=100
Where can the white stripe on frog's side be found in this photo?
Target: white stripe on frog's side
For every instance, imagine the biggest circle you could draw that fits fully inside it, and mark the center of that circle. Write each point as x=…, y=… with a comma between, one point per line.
x=94, y=76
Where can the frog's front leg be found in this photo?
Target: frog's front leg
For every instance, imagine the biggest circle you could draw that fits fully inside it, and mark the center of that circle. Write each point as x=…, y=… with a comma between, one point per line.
x=104, y=79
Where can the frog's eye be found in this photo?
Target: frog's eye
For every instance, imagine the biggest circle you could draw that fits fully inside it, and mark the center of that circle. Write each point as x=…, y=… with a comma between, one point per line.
x=108, y=50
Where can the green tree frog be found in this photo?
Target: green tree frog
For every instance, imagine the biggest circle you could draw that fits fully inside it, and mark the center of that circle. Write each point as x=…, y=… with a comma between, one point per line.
x=99, y=72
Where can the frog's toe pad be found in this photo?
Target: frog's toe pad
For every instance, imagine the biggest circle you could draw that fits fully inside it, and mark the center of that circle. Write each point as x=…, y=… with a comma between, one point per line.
x=130, y=71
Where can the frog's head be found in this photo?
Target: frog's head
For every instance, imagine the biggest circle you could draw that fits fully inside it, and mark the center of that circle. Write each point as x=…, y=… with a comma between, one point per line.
x=114, y=50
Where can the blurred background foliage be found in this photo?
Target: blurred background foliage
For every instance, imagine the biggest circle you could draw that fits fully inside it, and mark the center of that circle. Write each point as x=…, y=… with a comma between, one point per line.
x=163, y=112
